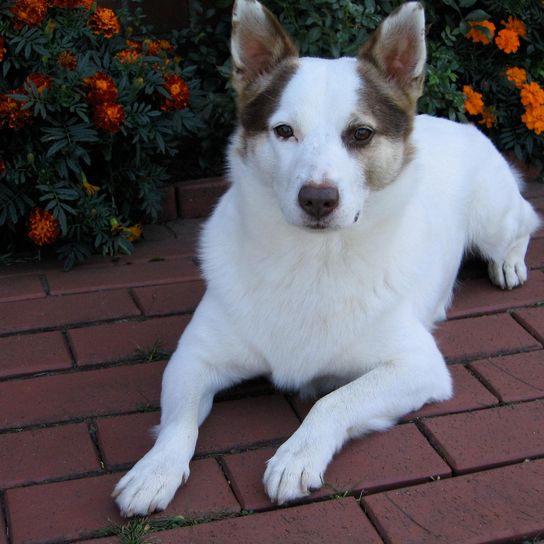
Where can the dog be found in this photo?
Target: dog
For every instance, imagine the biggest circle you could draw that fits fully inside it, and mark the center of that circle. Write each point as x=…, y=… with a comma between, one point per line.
x=334, y=251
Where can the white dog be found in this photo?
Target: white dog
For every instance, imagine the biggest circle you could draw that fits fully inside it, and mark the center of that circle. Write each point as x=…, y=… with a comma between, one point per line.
x=334, y=251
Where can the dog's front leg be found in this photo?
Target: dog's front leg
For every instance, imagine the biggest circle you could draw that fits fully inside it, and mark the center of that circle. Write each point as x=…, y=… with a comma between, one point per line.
x=209, y=358
x=408, y=372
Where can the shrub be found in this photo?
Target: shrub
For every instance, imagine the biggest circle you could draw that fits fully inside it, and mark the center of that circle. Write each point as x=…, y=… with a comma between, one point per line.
x=88, y=118
x=475, y=46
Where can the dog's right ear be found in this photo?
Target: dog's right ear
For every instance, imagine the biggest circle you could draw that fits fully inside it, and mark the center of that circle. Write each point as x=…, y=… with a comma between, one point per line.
x=258, y=43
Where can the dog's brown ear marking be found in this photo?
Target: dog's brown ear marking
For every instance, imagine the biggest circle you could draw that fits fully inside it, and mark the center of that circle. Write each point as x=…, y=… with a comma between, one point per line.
x=258, y=43
x=397, y=49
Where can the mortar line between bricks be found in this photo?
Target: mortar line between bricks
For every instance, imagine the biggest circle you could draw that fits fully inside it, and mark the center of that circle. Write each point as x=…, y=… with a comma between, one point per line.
x=498, y=311
x=370, y=518
x=526, y=326
x=434, y=444
x=66, y=338
x=44, y=283
x=484, y=383
x=480, y=356
x=84, y=324
x=222, y=467
x=134, y=299
x=59, y=479
x=93, y=433
x=4, y=516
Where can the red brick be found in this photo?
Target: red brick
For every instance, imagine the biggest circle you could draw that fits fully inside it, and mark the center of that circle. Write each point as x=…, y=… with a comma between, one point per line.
x=535, y=253
x=231, y=424
x=501, y=505
x=240, y=423
x=397, y=457
x=124, y=275
x=340, y=521
x=105, y=540
x=514, y=377
x=42, y=454
x=20, y=288
x=29, y=353
x=169, y=208
x=468, y=394
x=489, y=438
x=81, y=394
x=198, y=198
x=117, y=341
x=186, y=230
x=125, y=439
x=479, y=296
x=475, y=337
x=167, y=299
x=59, y=311
x=72, y=509
x=3, y=533
x=533, y=320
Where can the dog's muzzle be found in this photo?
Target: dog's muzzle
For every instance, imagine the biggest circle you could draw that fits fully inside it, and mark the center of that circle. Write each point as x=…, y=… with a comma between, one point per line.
x=318, y=201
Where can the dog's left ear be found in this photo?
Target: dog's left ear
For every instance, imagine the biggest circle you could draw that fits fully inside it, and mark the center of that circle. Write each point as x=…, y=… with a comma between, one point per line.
x=397, y=48
x=258, y=43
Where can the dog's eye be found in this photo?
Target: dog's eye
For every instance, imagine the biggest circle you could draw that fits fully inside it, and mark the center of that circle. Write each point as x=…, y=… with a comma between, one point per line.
x=363, y=134
x=284, y=132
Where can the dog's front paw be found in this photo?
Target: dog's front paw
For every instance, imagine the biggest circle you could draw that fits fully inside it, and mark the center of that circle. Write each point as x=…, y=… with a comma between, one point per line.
x=294, y=471
x=508, y=274
x=150, y=485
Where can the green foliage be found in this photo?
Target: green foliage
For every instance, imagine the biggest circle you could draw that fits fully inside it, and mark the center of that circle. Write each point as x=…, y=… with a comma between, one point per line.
x=333, y=28
x=56, y=152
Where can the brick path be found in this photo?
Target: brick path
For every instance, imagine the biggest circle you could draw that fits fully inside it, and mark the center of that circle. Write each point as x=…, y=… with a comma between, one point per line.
x=80, y=373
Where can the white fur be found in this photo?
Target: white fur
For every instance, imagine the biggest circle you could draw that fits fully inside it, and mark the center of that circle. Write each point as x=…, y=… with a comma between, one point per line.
x=350, y=307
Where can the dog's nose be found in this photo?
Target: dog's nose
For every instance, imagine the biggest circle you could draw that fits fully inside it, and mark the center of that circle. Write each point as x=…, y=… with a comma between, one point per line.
x=318, y=200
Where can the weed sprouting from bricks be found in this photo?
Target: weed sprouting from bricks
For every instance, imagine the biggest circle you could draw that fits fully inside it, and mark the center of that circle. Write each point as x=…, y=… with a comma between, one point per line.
x=152, y=353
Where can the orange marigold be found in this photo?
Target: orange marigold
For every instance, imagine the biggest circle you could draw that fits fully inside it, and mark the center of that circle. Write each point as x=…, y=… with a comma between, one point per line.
x=40, y=81
x=3, y=49
x=178, y=90
x=133, y=233
x=532, y=95
x=516, y=25
x=127, y=56
x=166, y=45
x=534, y=119
x=474, y=103
x=153, y=47
x=101, y=88
x=28, y=12
x=104, y=21
x=517, y=75
x=136, y=46
x=11, y=112
x=507, y=40
x=476, y=34
x=2, y=167
x=109, y=117
x=87, y=4
x=43, y=227
x=488, y=118
x=67, y=60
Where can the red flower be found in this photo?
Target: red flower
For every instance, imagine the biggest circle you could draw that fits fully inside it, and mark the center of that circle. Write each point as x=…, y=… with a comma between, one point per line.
x=11, y=112
x=67, y=60
x=178, y=90
x=43, y=228
x=104, y=21
x=2, y=167
x=41, y=81
x=3, y=49
x=28, y=12
x=109, y=116
x=101, y=88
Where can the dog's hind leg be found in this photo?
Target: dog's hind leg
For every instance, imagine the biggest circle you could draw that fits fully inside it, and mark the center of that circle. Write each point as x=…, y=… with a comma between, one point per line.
x=408, y=372
x=501, y=224
x=209, y=358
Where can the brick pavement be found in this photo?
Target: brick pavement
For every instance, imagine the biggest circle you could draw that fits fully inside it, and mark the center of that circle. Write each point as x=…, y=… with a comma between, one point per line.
x=81, y=357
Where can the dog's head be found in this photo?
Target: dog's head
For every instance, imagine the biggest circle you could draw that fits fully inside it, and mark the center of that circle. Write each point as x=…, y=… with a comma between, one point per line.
x=326, y=133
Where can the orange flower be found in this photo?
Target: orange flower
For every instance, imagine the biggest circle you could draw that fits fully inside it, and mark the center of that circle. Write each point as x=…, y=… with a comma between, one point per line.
x=152, y=47
x=43, y=227
x=532, y=95
x=488, y=118
x=87, y=4
x=476, y=34
x=2, y=167
x=11, y=112
x=40, y=81
x=67, y=60
x=178, y=90
x=133, y=233
x=109, y=116
x=507, y=40
x=127, y=56
x=28, y=12
x=3, y=49
x=136, y=46
x=101, y=88
x=104, y=21
x=166, y=45
x=88, y=188
x=474, y=103
x=517, y=75
x=515, y=25
x=534, y=119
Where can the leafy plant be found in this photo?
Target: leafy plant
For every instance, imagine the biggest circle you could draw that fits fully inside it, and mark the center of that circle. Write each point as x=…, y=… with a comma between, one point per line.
x=88, y=119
